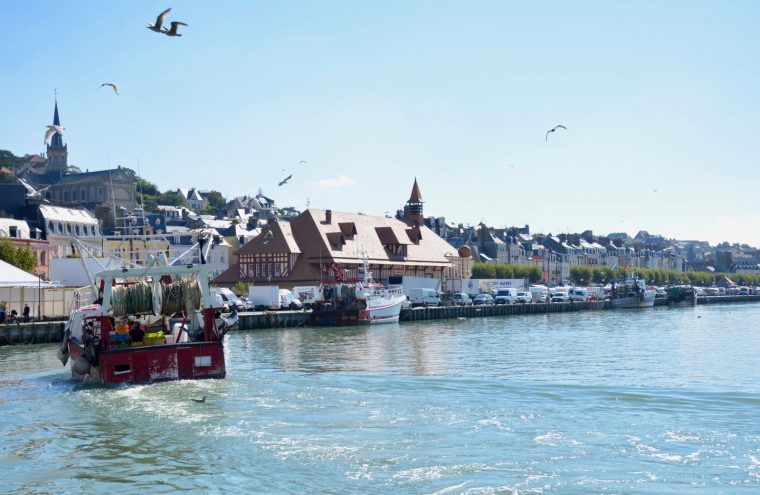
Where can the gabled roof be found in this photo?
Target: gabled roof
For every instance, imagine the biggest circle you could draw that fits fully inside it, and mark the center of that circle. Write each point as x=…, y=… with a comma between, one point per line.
x=373, y=234
x=277, y=238
x=60, y=214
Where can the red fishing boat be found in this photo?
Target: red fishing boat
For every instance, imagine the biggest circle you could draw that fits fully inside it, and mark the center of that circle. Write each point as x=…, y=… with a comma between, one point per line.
x=147, y=324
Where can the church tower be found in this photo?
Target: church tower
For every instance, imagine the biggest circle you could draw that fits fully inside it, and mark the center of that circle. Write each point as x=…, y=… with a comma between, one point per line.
x=413, y=210
x=57, y=152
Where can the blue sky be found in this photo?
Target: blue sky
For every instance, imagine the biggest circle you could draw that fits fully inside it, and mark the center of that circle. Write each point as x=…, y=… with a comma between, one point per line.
x=659, y=99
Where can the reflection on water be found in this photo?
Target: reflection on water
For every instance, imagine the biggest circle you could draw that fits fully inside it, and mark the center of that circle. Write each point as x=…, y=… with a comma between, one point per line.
x=623, y=402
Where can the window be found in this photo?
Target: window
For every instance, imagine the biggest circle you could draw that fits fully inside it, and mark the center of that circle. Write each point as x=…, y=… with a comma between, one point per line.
x=277, y=268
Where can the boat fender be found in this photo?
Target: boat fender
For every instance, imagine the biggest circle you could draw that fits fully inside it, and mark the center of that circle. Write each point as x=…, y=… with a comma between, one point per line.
x=81, y=366
x=63, y=351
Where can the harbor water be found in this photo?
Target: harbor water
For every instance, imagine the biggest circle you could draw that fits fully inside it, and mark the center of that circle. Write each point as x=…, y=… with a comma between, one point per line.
x=632, y=401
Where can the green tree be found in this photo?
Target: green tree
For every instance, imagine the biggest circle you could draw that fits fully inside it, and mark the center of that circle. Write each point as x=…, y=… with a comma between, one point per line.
x=215, y=199
x=8, y=159
x=240, y=288
x=21, y=256
x=171, y=198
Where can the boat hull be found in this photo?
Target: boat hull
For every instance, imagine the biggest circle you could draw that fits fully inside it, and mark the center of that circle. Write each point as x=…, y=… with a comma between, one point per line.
x=144, y=364
x=386, y=311
x=645, y=300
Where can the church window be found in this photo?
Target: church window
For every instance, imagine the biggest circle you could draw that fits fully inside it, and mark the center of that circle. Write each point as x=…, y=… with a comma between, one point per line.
x=83, y=195
x=74, y=195
x=65, y=196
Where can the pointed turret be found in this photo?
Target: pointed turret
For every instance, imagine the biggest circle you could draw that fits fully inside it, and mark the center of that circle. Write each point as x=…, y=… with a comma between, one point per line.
x=413, y=207
x=416, y=197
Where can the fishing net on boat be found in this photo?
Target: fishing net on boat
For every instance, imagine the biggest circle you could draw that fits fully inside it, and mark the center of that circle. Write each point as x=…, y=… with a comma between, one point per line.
x=179, y=296
x=133, y=299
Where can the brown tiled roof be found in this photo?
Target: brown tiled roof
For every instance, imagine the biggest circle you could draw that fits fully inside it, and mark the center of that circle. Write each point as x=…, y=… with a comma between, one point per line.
x=277, y=238
x=372, y=234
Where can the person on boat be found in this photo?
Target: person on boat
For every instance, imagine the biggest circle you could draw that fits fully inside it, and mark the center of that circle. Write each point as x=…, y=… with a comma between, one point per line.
x=136, y=333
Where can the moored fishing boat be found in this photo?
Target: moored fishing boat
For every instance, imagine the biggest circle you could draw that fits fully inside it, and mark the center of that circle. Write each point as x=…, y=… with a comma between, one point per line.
x=357, y=302
x=631, y=293
x=147, y=324
x=682, y=295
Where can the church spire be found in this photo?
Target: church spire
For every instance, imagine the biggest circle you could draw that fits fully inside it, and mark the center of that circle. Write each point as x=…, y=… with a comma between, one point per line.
x=57, y=139
x=57, y=152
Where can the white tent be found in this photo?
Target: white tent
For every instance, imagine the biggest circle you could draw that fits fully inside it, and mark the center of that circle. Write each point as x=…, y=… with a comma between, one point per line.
x=11, y=276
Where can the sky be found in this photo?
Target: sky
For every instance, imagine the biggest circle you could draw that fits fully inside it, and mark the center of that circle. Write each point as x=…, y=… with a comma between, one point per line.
x=659, y=100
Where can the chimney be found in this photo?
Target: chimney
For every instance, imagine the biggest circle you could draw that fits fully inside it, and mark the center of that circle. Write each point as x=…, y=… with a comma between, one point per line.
x=328, y=216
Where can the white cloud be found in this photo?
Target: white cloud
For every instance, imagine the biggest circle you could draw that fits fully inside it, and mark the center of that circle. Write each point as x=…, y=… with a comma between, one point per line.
x=341, y=181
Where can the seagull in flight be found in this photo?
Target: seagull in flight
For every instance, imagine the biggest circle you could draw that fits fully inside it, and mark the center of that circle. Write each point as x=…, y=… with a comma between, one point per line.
x=200, y=400
x=157, y=27
x=113, y=85
x=31, y=192
x=286, y=179
x=52, y=129
x=302, y=162
x=560, y=126
x=173, y=30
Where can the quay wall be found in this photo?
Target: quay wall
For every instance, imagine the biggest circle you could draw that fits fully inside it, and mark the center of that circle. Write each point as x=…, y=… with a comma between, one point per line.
x=43, y=332
x=726, y=299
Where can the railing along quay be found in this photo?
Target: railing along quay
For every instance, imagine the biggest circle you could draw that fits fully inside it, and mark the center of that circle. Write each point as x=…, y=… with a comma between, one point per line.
x=43, y=332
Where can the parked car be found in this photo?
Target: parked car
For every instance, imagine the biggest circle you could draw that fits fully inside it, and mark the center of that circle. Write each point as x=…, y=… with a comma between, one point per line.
x=247, y=302
x=560, y=296
x=462, y=299
x=524, y=297
x=482, y=299
x=505, y=296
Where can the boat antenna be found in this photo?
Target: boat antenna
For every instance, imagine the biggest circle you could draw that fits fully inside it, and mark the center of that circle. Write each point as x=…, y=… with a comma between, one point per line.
x=142, y=196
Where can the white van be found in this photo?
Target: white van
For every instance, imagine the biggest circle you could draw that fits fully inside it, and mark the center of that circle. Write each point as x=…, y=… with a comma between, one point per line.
x=420, y=296
x=579, y=294
x=539, y=293
x=505, y=296
x=226, y=299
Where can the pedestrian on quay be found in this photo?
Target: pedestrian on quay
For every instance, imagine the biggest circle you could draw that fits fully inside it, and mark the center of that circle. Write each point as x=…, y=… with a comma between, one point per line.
x=26, y=313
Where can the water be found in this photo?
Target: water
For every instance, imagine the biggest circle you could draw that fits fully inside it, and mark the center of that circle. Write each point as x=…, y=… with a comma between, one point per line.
x=639, y=401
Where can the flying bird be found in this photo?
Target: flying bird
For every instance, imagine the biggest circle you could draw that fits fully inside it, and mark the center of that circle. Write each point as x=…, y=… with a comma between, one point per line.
x=302, y=161
x=31, y=192
x=52, y=129
x=554, y=129
x=286, y=179
x=157, y=27
x=113, y=85
x=173, y=30
x=203, y=399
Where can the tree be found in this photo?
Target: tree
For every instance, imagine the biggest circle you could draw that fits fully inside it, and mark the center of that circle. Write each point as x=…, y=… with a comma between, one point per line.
x=215, y=199
x=240, y=288
x=22, y=256
x=8, y=159
x=73, y=169
x=171, y=198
